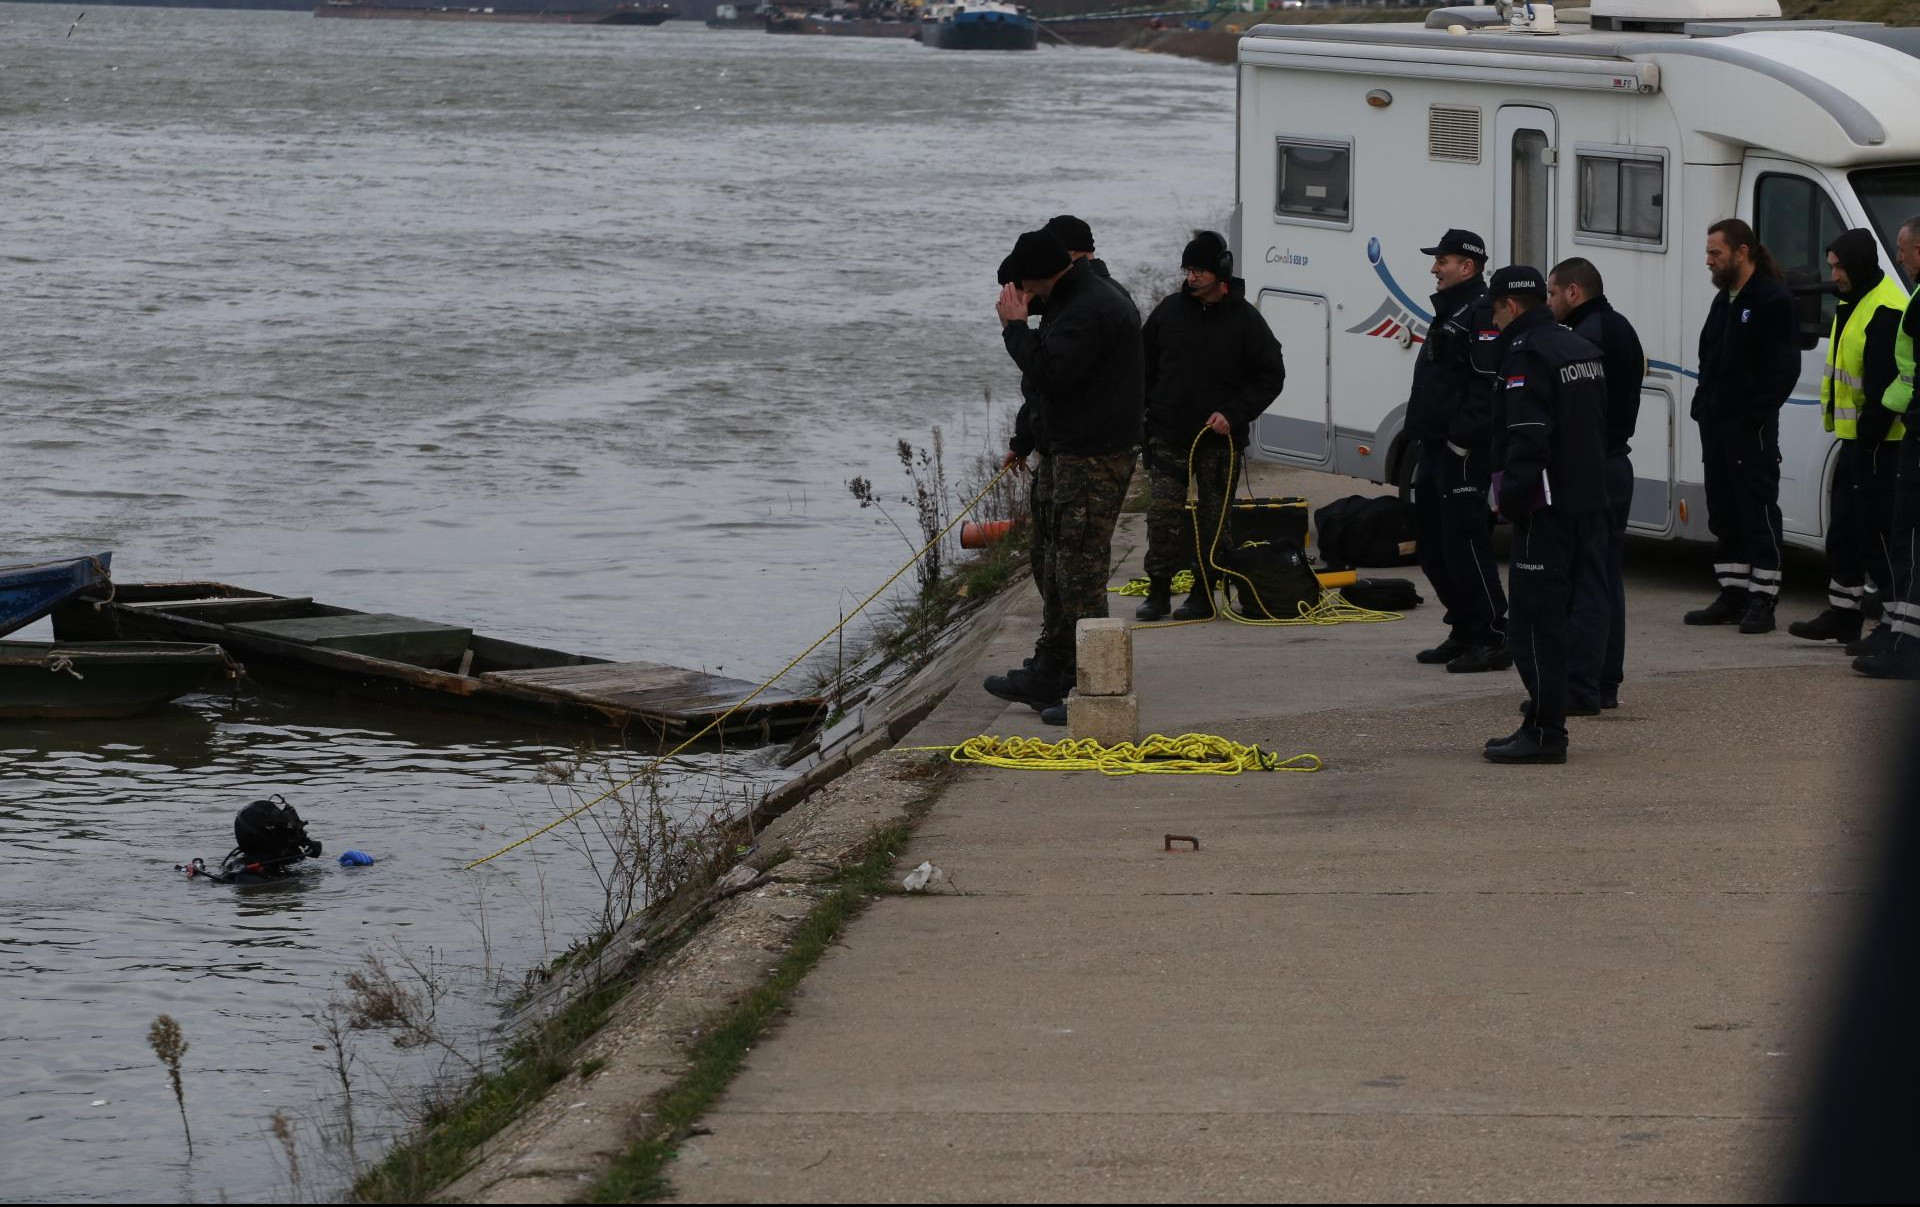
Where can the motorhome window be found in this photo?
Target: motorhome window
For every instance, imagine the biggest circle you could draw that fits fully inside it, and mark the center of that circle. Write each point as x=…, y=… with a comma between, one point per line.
x=1891, y=196
x=1622, y=198
x=1315, y=181
x=1532, y=196
x=1796, y=221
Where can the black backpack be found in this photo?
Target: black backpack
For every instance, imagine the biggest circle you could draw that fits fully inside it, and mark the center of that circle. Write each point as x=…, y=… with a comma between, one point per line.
x=1366, y=531
x=1272, y=580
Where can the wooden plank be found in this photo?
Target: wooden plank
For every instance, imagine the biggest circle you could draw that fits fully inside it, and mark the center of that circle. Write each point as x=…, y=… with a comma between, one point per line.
x=650, y=687
x=375, y=634
x=217, y=601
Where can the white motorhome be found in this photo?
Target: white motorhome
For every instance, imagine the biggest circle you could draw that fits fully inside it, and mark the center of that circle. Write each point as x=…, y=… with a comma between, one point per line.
x=1618, y=133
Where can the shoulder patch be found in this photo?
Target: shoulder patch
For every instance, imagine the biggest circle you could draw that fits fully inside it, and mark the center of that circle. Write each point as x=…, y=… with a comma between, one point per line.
x=1517, y=382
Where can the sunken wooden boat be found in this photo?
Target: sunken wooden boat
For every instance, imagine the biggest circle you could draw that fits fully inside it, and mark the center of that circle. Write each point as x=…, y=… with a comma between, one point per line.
x=52, y=680
x=423, y=664
x=29, y=590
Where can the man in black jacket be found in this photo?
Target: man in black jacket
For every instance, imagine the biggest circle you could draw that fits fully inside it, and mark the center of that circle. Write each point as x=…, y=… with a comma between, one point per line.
x=1449, y=414
x=1084, y=364
x=1212, y=366
x=1749, y=364
x=1578, y=299
x=1901, y=660
x=1860, y=367
x=1550, y=435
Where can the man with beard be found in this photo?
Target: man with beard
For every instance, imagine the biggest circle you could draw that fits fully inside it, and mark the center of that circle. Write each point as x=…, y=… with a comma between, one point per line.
x=1212, y=366
x=1749, y=364
x=1860, y=367
x=1084, y=366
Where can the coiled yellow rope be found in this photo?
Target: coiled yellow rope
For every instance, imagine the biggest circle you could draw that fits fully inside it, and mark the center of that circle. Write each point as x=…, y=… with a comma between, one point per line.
x=1156, y=754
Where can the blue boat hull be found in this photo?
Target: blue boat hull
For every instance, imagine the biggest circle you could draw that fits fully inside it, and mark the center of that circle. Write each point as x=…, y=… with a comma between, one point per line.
x=981, y=31
x=31, y=590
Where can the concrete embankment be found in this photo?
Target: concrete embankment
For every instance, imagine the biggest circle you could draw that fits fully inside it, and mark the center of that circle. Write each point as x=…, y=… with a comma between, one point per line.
x=1411, y=975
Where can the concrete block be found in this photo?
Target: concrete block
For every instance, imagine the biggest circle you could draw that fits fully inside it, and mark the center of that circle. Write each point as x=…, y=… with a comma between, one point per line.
x=1108, y=720
x=1103, y=650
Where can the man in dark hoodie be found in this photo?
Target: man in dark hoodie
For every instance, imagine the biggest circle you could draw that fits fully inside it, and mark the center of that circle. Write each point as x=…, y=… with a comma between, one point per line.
x=1901, y=660
x=1749, y=364
x=1212, y=366
x=1860, y=367
x=1449, y=411
x=1084, y=365
x=1578, y=299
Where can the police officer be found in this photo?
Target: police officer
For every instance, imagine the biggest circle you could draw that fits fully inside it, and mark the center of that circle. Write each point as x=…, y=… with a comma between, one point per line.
x=1550, y=435
x=1212, y=366
x=1860, y=367
x=1578, y=298
x=1749, y=364
x=1901, y=659
x=1085, y=368
x=1449, y=413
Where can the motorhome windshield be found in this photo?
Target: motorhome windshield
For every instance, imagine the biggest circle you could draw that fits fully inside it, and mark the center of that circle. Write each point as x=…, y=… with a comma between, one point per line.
x=1891, y=196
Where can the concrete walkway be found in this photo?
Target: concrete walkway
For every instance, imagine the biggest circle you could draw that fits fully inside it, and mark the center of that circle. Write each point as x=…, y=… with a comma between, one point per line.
x=1411, y=976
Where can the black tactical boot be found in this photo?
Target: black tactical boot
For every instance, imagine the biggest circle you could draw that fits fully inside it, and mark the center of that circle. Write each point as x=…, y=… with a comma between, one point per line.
x=1834, y=624
x=1759, y=614
x=1041, y=684
x=1901, y=660
x=1877, y=642
x=1482, y=658
x=1525, y=748
x=1056, y=715
x=1158, y=603
x=1728, y=607
x=1199, y=603
x=1454, y=646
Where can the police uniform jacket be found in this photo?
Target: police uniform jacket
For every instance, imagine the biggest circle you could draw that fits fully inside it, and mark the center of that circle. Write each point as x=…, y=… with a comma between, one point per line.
x=1451, y=377
x=1749, y=356
x=1551, y=411
x=1203, y=358
x=1084, y=363
x=1596, y=321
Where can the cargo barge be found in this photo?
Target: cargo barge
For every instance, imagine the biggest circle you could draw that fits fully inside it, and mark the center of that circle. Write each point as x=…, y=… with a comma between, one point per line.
x=979, y=25
x=562, y=12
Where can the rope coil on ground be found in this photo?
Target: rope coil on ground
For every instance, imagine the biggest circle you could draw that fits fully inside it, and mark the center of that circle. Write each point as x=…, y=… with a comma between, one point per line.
x=1155, y=754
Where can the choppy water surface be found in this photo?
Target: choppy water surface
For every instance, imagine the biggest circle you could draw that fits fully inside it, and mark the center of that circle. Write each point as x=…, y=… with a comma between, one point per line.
x=572, y=335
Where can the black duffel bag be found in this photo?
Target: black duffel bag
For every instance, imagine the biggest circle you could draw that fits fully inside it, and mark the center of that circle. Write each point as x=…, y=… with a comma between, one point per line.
x=1383, y=594
x=1272, y=580
x=1363, y=530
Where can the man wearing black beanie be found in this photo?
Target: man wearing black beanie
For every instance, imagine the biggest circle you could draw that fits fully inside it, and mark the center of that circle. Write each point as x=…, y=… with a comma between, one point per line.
x=1077, y=237
x=1860, y=367
x=1212, y=366
x=1084, y=367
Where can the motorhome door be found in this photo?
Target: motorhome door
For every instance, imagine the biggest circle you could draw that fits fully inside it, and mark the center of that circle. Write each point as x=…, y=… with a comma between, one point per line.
x=1298, y=427
x=1526, y=142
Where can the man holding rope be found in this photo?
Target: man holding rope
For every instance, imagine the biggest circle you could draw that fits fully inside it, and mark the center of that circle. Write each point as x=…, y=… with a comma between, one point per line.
x=1084, y=366
x=1212, y=366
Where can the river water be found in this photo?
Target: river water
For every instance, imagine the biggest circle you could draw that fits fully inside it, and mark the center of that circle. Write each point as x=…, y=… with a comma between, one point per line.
x=573, y=335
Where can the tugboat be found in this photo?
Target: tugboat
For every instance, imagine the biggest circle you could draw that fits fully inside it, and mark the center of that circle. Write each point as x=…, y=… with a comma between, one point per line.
x=979, y=25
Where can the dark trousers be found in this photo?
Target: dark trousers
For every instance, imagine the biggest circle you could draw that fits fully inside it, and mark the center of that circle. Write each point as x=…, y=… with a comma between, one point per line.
x=1040, y=522
x=1903, y=612
x=1171, y=533
x=1551, y=551
x=1860, y=527
x=1454, y=530
x=1742, y=464
x=1599, y=610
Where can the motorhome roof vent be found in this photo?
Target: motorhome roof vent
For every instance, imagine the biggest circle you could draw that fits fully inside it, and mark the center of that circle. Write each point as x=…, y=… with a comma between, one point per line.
x=1669, y=16
x=1453, y=133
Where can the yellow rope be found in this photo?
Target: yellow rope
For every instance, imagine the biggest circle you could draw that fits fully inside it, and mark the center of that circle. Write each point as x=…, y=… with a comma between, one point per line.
x=1332, y=608
x=1156, y=754
x=1182, y=583
x=721, y=719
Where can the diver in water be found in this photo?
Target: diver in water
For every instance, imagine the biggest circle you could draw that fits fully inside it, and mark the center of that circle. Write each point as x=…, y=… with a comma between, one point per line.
x=270, y=841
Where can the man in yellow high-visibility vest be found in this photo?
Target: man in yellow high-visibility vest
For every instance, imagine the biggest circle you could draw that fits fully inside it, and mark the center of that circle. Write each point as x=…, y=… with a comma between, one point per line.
x=1860, y=368
x=1902, y=659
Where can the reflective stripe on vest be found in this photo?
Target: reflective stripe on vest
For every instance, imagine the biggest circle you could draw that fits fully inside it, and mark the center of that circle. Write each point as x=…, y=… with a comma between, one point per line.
x=1843, y=391
x=1899, y=395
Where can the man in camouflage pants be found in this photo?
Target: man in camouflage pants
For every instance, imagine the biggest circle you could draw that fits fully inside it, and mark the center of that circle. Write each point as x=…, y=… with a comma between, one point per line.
x=1085, y=369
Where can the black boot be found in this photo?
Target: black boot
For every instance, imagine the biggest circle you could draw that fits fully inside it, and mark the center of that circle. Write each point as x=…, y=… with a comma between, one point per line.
x=1834, y=624
x=1900, y=660
x=1482, y=658
x=1042, y=684
x=1728, y=607
x=1454, y=646
x=1055, y=715
x=1759, y=614
x=1523, y=747
x=1199, y=603
x=1158, y=603
x=1875, y=643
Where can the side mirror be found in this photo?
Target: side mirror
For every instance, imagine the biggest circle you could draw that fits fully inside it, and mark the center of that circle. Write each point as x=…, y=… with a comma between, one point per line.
x=1810, y=296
